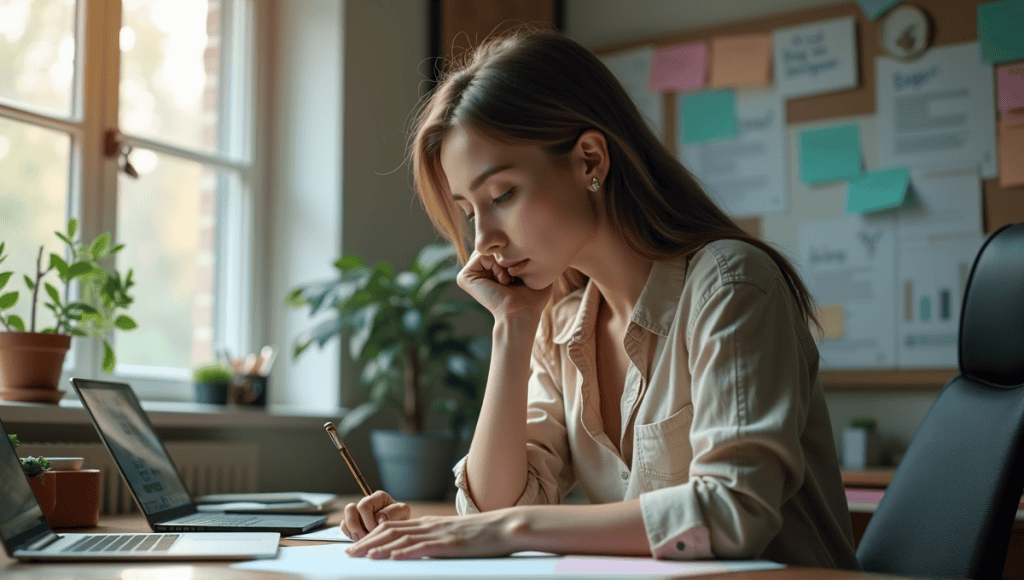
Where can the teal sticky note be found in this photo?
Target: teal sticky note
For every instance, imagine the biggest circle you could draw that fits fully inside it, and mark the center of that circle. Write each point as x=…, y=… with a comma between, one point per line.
x=1001, y=30
x=708, y=116
x=877, y=190
x=874, y=8
x=830, y=154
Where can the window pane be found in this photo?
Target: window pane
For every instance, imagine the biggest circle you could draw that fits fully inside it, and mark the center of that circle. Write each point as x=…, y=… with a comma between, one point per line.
x=167, y=219
x=37, y=54
x=170, y=77
x=34, y=166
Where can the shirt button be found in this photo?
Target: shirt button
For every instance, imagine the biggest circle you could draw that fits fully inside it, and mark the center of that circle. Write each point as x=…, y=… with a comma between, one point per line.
x=680, y=546
x=625, y=475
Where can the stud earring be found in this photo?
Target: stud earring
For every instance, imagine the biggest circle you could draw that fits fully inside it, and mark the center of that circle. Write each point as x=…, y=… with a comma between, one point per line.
x=595, y=185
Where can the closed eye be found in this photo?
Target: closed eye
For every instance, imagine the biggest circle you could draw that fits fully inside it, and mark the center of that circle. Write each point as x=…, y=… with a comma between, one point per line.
x=498, y=200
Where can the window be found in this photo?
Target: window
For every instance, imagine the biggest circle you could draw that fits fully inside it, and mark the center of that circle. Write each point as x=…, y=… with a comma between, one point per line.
x=88, y=88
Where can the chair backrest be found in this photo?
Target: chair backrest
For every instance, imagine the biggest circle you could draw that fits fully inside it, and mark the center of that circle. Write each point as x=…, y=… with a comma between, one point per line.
x=949, y=509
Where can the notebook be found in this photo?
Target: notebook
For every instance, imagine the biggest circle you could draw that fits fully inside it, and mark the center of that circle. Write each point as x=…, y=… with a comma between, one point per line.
x=151, y=475
x=26, y=534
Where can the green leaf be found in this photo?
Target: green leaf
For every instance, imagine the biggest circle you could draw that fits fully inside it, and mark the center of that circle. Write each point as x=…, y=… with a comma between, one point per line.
x=53, y=293
x=356, y=416
x=64, y=239
x=295, y=298
x=4, y=277
x=72, y=227
x=431, y=256
x=83, y=307
x=61, y=266
x=77, y=331
x=125, y=323
x=116, y=249
x=412, y=321
x=363, y=325
x=16, y=322
x=108, y=358
x=348, y=261
x=79, y=268
x=8, y=300
x=28, y=282
x=99, y=245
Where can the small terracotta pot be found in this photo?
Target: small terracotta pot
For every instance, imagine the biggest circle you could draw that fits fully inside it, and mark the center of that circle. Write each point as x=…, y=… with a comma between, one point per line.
x=46, y=492
x=69, y=499
x=30, y=363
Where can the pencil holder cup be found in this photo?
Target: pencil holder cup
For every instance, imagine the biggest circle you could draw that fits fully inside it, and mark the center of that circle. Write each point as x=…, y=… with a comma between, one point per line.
x=69, y=499
x=249, y=390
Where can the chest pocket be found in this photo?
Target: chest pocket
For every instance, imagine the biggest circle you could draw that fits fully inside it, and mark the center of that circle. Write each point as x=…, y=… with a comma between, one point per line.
x=663, y=450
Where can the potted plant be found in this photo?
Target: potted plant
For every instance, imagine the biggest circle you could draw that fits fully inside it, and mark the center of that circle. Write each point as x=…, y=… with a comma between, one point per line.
x=403, y=336
x=211, y=382
x=35, y=469
x=31, y=359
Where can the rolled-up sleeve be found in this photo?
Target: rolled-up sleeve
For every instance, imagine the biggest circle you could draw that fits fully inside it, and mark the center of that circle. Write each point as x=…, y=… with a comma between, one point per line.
x=749, y=394
x=549, y=473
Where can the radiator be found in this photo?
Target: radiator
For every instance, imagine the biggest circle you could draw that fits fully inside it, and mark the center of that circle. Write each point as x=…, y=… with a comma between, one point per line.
x=206, y=467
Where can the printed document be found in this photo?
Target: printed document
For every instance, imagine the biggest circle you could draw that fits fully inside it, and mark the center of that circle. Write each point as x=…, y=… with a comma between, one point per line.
x=633, y=69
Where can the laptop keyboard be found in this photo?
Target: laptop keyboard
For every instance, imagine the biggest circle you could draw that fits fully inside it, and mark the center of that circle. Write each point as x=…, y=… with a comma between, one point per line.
x=123, y=543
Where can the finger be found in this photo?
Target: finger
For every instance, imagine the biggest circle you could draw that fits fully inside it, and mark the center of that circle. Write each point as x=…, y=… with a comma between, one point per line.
x=382, y=535
x=354, y=522
x=370, y=505
x=424, y=549
x=385, y=550
x=395, y=512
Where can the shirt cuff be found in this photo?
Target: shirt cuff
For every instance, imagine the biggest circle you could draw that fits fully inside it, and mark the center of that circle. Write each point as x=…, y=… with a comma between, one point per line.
x=464, y=501
x=674, y=526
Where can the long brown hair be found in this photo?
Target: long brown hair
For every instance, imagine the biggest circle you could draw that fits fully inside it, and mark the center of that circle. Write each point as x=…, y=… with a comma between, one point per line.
x=542, y=88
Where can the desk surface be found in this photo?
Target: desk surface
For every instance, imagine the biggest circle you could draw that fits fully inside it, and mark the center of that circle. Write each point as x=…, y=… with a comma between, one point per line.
x=13, y=570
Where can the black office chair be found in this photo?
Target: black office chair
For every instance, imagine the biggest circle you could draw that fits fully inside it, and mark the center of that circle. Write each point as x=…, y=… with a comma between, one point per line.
x=949, y=509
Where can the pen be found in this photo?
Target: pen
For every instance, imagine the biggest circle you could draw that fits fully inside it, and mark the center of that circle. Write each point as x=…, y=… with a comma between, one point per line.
x=333, y=434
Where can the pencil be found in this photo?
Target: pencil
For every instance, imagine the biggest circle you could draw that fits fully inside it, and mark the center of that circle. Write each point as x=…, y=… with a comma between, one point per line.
x=333, y=434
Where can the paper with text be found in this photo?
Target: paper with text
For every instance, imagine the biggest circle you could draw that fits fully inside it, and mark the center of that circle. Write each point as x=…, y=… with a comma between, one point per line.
x=815, y=58
x=746, y=175
x=937, y=109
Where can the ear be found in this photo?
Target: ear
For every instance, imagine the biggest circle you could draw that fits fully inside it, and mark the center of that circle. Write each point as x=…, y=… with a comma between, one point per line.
x=590, y=157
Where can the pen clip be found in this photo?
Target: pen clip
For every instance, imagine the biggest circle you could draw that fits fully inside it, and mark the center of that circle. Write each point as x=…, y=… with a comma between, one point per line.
x=333, y=434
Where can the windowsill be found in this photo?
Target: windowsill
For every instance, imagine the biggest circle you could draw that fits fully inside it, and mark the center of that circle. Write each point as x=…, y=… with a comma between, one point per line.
x=177, y=414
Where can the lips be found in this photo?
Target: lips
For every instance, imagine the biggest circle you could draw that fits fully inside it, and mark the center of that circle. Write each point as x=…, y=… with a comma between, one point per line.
x=508, y=265
x=516, y=268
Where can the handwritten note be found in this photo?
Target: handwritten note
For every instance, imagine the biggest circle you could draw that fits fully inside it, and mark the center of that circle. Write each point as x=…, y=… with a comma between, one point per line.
x=741, y=60
x=709, y=116
x=999, y=30
x=680, y=68
x=877, y=190
x=815, y=58
x=830, y=154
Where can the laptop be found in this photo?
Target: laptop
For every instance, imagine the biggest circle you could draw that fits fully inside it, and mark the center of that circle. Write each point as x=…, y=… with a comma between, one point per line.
x=152, y=477
x=26, y=535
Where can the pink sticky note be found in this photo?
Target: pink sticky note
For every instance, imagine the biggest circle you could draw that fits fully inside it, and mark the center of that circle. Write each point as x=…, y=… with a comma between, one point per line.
x=1011, y=89
x=680, y=68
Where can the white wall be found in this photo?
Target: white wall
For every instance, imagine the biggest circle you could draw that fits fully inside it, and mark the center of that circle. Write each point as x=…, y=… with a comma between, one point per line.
x=597, y=23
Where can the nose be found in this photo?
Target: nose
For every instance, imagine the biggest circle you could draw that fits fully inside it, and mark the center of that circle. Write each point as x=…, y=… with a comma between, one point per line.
x=489, y=238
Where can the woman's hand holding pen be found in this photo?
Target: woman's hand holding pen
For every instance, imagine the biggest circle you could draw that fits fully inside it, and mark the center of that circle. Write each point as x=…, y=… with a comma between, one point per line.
x=362, y=518
x=504, y=296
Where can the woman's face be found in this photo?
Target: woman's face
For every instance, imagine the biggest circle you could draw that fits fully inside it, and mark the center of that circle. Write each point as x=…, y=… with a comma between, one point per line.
x=524, y=204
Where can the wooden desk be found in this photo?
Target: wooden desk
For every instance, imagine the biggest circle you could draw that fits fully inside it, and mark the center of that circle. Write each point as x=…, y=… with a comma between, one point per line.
x=13, y=570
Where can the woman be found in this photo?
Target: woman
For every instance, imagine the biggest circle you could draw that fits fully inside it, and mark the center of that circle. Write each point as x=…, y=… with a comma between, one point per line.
x=645, y=347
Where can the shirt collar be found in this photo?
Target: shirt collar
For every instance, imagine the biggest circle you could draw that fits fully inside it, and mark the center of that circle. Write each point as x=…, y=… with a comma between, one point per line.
x=654, y=311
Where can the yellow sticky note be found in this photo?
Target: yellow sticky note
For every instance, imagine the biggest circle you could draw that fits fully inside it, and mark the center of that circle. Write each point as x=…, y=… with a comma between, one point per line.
x=830, y=316
x=741, y=60
x=1011, y=152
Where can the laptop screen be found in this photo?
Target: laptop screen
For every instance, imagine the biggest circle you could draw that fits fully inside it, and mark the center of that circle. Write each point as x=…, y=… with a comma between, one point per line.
x=138, y=452
x=19, y=510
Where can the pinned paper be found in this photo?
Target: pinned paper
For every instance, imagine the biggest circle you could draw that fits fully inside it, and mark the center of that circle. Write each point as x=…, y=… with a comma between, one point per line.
x=875, y=8
x=709, y=116
x=1011, y=89
x=815, y=58
x=877, y=190
x=999, y=30
x=831, y=154
x=830, y=317
x=741, y=60
x=680, y=68
x=1011, y=152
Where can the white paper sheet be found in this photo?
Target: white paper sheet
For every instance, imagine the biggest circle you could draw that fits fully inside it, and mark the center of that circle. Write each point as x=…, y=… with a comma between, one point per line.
x=937, y=109
x=932, y=277
x=851, y=261
x=328, y=534
x=746, y=175
x=332, y=561
x=815, y=58
x=633, y=69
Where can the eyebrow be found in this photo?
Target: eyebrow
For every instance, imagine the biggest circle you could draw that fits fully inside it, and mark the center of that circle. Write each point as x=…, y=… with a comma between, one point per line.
x=480, y=179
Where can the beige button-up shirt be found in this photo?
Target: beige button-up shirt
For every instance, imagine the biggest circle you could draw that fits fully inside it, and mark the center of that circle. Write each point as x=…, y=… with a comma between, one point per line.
x=725, y=436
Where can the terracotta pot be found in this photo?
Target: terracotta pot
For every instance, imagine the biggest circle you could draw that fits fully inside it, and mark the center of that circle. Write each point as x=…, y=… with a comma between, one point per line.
x=46, y=493
x=77, y=502
x=30, y=365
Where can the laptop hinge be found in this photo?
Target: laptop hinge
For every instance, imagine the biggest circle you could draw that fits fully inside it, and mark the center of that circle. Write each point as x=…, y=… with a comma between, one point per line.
x=43, y=542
